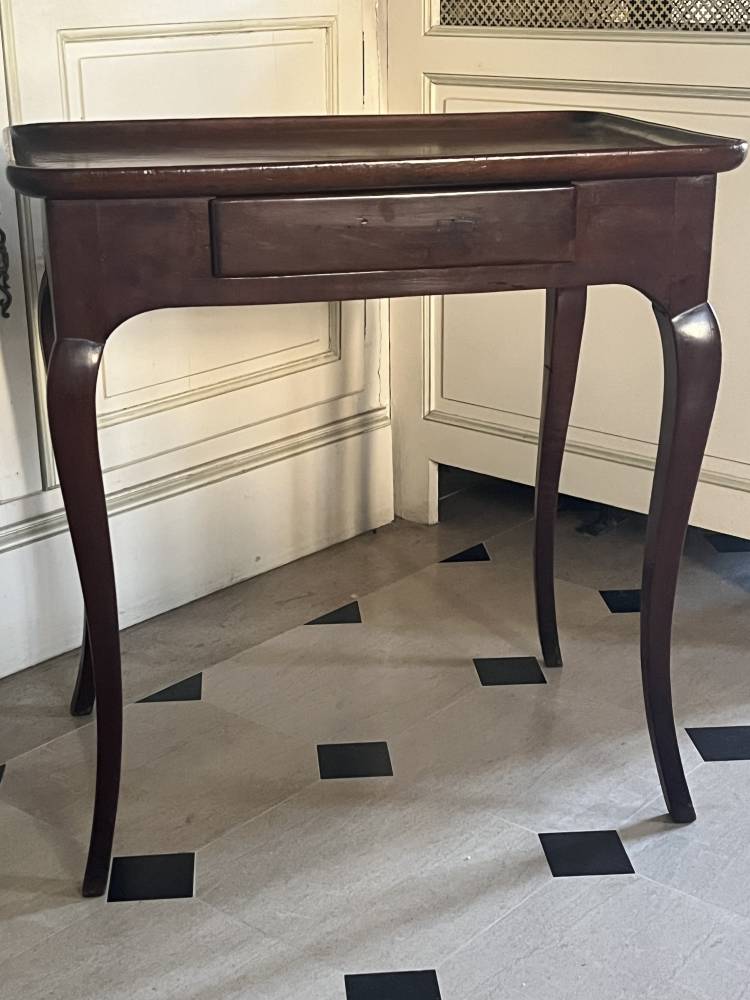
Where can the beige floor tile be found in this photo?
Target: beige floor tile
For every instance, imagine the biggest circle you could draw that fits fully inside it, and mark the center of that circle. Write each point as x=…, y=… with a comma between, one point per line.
x=328, y=683
x=542, y=759
x=34, y=706
x=602, y=662
x=280, y=972
x=192, y=772
x=206, y=786
x=479, y=609
x=372, y=875
x=40, y=874
x=709, y=859
x=616, y=937
x=137, y=951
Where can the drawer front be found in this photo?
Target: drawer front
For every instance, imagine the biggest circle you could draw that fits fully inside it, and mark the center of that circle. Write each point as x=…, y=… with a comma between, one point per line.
x=260, y=237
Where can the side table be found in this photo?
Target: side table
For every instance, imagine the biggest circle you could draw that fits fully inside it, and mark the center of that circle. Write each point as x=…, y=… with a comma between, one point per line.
x=146, y=215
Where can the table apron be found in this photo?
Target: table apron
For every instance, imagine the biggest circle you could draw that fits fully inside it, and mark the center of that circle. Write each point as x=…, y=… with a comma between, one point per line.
x=147, y=254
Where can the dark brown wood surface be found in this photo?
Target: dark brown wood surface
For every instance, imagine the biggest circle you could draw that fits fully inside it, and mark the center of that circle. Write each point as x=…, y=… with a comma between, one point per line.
x=133, y=225
x=242, y=156
x=563, y=334
x=378, y=232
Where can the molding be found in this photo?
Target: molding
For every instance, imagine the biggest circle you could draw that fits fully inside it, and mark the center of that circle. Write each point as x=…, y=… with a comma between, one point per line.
x=28, y=238
x=431, y=311
x=38, y=370
x=28, y=257
x=431, y=17
x=626, y=88
x=431, y=26
x=375, y=55
x=199, y=29
x=223, y=386
x=432, y=332
x=189, y=29
x=620, y=456
x=592, y=35
x=46, y=525
x=8, y=33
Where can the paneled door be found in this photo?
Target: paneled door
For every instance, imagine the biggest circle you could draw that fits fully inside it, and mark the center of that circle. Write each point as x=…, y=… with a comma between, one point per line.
x=468, y=369
x=224, y=455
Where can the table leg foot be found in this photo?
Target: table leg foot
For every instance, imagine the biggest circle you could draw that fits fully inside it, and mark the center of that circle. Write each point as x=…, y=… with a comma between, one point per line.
x=566, y=312
x=692, y=364
x=683, y=812
x=71, y=402
x=84, y=692
x=95, y=880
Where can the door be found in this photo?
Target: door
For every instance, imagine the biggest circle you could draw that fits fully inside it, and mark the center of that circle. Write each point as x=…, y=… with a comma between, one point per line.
x=467, y=369
x=221, y=430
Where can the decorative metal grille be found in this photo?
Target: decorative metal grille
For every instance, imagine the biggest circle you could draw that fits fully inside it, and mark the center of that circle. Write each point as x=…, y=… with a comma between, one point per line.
x=630, y=15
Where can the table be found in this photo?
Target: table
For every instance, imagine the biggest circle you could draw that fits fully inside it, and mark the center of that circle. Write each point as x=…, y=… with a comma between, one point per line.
x=145, y=215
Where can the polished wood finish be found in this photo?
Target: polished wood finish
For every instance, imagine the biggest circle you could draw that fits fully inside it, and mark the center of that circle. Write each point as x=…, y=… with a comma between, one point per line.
x=82, y=701
x=566, y=312
x=392, y=231
x=134, y=224
x=243, y=156
x=71, y=405
x=692, y=365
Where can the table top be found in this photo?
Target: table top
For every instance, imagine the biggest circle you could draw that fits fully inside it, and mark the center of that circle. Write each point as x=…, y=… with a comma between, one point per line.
x=238, y=156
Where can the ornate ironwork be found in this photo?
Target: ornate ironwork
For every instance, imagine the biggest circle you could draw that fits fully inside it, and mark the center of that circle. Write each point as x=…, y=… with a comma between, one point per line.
x=629, y=15
x=5, y=296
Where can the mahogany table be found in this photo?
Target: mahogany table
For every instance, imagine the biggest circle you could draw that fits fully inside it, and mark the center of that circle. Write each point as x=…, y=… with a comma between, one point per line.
x=154, y=214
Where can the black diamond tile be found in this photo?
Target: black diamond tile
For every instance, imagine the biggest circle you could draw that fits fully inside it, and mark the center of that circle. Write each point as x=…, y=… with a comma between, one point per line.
x=188, y=690
x=594, y=852
x=354, y=760
x=477, y=553
x=728, y=543
x=152, y=876
x=622, y=602
x=393, y=986
x=722, y=742
x=494, y=670
x=349, y=614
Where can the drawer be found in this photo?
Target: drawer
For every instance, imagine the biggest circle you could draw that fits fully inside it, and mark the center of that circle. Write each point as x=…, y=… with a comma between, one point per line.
x=259, y=237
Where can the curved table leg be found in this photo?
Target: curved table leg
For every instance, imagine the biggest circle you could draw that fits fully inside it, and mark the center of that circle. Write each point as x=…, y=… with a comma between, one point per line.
x=692, y=366
x=566, y=312
x=71, y=402
x=82, y=702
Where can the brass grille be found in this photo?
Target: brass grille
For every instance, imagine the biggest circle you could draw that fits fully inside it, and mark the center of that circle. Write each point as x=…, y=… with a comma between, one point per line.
x=629, y=15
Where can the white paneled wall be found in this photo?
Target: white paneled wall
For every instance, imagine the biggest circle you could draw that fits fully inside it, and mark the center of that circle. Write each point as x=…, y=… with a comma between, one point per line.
x=235, y=439
x=468, y=369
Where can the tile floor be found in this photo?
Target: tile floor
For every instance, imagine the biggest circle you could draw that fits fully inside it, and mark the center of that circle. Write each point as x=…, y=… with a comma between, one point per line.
x=395, y=801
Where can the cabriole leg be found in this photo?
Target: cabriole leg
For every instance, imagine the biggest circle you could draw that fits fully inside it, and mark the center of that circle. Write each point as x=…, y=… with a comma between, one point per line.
x=71, y=402
x=566, y=311
x=82, y=702
x=692, y=364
